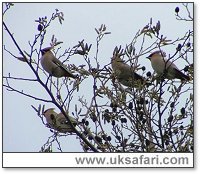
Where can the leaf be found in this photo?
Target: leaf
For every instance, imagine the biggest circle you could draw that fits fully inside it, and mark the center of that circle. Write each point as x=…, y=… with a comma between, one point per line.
x=23, y=59
x=57, y=43
x=76, y=108
x=52, y=38
x=34, y=108
x=107, y=33
x=79, y=111
x=104, y=28
x=148, y=34
x=97, y=31
x=60, y=20
x=43, y=107
x=39, y=109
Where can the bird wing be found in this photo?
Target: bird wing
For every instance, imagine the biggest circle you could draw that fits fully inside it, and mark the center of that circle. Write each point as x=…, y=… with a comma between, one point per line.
x=128, y=71
x=173, y=69
x=61, y=118
x=62, y=124
x=181, y=76
x=62, y=66
x=138, y=77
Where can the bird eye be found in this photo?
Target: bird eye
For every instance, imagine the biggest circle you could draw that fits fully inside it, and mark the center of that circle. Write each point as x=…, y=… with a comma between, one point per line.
x=52, y=117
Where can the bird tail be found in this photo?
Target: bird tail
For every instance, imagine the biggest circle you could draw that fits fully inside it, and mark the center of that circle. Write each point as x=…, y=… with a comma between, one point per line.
x=182, y=76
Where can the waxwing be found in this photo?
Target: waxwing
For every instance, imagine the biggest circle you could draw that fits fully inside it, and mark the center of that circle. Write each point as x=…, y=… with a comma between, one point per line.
x=54, y=66
x=165, y=67
x=58, y=121
x=125, y=73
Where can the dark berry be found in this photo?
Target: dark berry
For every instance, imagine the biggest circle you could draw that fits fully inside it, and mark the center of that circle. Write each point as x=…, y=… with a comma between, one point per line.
x=113, y=122
x=125, y=120
x=139, y=108
x=86, y=123
x=192, y=148
x=148, y=74
x=175, y=131
x=179, y=47
x=144, y=121
x=95, y=86
x=111, y=105
x=141, y=117
x=58, y=97
x=172, y=104
x=97, y=138
x=115, y=105
x=104, y=137
x=141, y=113
x=170, y=133
x=109, y=138
x=90, y=137
x=182, y=111
x=114, y=109
x=141, y=101
x=167, y=142
x=186, y=68
x=130, y=105
x=83, y=120
x=188, y=44
x=177, y=9
x=94, y=119
x=40, y=27
x=181, y=127
x=85, y=132
x=143, y=68
x=118, y=137
x=170, y=118
x=147, y=142
x=106, y=111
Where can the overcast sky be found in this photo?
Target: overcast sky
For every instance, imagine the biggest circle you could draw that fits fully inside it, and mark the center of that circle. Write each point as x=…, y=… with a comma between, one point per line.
x=23, y=131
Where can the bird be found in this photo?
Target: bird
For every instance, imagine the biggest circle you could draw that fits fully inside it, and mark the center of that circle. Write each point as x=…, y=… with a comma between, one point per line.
x=58, y=121
x=54, y=66
x=125, y=73
x=165, y=67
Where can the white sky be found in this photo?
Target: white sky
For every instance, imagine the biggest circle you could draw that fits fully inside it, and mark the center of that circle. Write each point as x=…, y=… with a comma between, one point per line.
x=23, y=130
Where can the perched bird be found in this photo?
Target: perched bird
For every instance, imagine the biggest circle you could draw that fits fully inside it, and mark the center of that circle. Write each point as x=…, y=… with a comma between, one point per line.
x=165, y=67
x=58, y=121
x=125, y=73
x=54, y=66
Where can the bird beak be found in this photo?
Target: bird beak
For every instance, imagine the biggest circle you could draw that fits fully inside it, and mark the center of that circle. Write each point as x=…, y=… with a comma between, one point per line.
x=44, y=50
x=148, y=58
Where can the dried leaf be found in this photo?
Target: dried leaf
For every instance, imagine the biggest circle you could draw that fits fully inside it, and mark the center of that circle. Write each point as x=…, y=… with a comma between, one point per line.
x=89, y=47
x=80, y=52
x=60, y=20
x=57, y=43
x=107, y=33
x=52, y=38
x=104, y=28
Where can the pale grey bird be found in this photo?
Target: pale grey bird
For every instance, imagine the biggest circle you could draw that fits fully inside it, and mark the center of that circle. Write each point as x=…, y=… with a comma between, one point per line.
x=165, y=67
x=125, y=73
x=58, y=121
x=54, y=66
